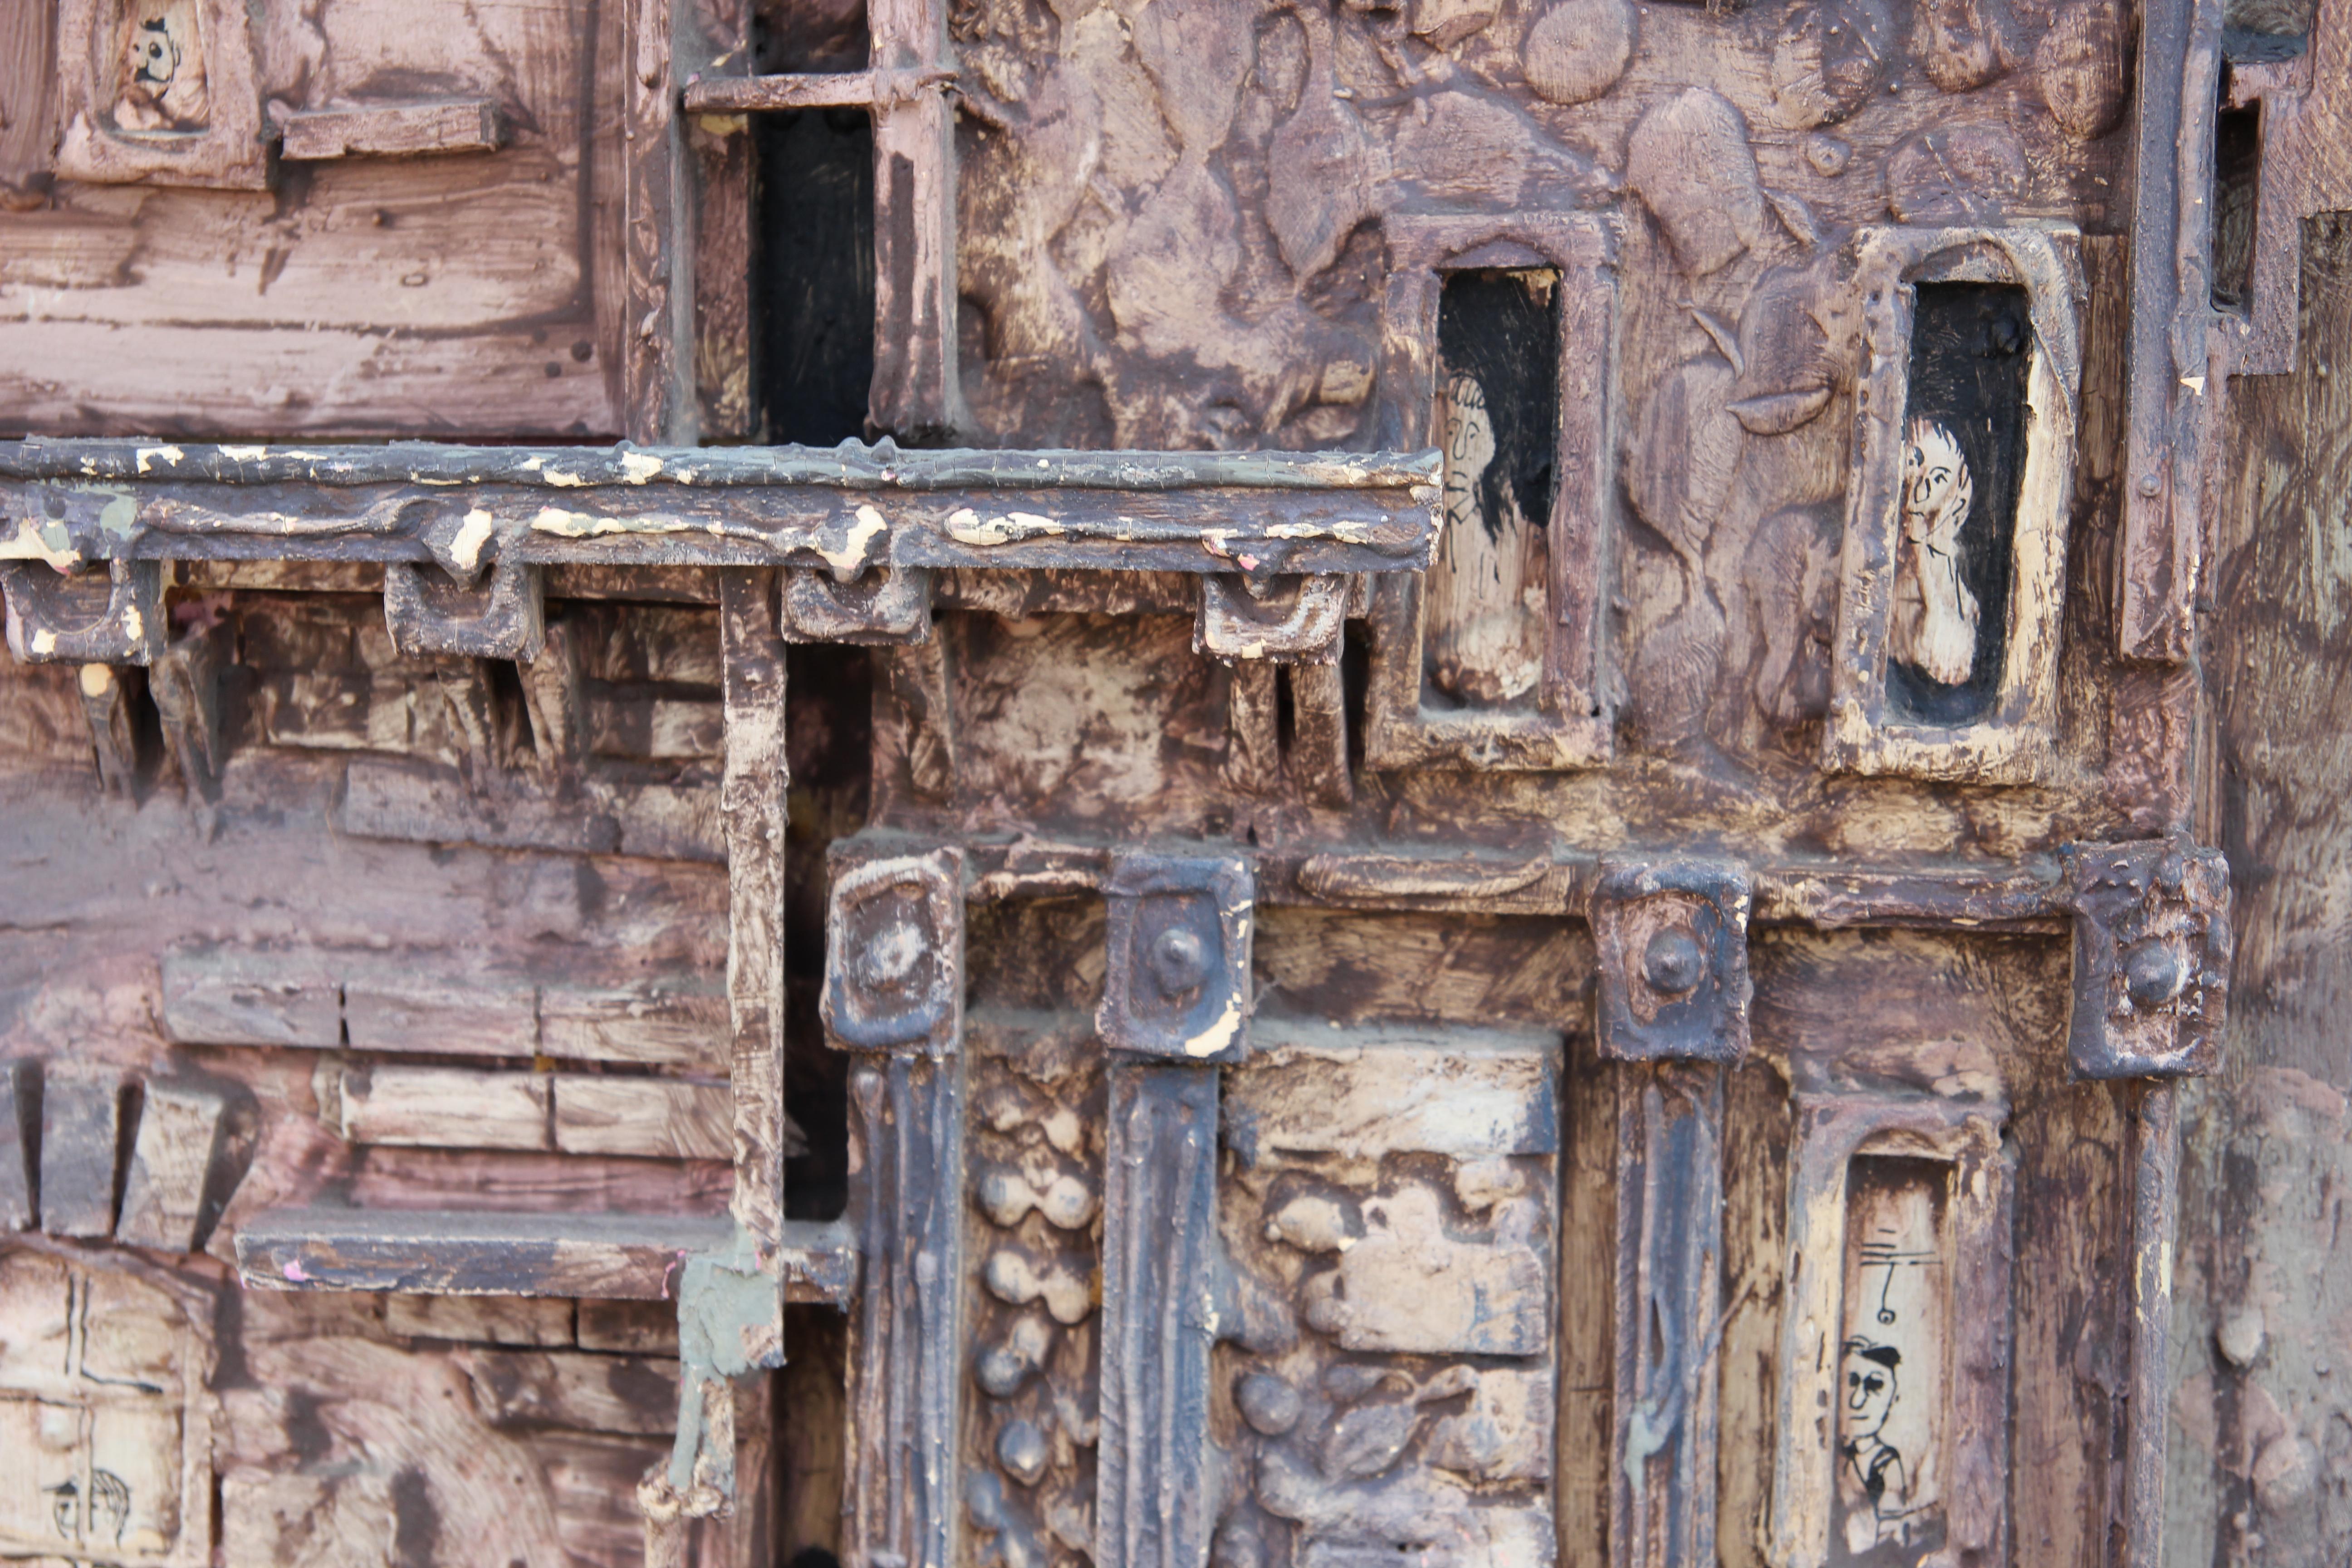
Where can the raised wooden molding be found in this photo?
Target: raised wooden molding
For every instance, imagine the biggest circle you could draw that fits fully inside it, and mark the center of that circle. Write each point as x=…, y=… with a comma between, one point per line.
x=392, y=130
x=2015, y=743
x=1570, y=725
x=214, y=140
x=442, y=1252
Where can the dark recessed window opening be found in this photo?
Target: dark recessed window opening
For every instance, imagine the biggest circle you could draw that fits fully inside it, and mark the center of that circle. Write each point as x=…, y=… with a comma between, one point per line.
x=1963, y=455
x=794, y=36
x=1498, y=424
x=813, y=295
x=2237, y=191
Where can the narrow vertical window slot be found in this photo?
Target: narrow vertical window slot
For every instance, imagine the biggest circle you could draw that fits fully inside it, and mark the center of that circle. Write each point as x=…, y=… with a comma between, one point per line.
x=1499, y=424
x=814, y=284
x=1963, y=456
x=2237, y=195
x=1894, y=1463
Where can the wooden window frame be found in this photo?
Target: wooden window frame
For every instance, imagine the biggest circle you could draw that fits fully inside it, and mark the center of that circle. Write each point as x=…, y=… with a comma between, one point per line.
x=1833, y=1130
x=2015, y=741
x=1573, y=725
x=229, y=154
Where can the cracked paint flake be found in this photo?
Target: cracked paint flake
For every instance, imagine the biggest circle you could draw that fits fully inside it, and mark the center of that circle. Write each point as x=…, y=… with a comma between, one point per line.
x=852, y=557
x=968, y=527
x=566, y=524
x=466, y=549
x=46, y=543
x=147, y=454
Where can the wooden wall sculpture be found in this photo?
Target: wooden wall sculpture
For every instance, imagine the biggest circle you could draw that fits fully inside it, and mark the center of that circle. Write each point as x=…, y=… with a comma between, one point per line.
x=1466, y=824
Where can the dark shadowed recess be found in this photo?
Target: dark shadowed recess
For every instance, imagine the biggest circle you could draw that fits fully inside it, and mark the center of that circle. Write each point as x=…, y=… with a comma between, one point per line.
x=2237, y=190
x=1969, y=345
x=1502, y=329
x=829, y=697
x=814, y=293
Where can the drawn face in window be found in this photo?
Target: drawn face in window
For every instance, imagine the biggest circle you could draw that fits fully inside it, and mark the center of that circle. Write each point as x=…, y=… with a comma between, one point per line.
x=1869, y=1379
x=1935, y=614
x=163, y=68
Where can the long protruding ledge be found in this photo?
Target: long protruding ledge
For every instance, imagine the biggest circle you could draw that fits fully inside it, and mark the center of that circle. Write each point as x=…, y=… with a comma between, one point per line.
x=440, y=1252
x=841, y=510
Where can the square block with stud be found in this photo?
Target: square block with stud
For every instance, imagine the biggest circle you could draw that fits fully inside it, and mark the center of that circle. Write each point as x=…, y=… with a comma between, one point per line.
x=1672, y=938
x=1177, y=979
x=894, y=950
x=2152, y=946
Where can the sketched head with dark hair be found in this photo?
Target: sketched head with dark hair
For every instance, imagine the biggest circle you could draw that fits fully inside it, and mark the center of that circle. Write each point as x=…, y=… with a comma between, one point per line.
x=1869, y=1385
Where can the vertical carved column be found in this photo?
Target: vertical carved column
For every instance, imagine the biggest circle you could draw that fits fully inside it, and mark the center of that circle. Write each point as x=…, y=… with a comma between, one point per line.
x=651, y=227
x=1175, y=1004
x=915, y=395
x=1672, y=995
x=894, y=992
x=1669, y=1261
x=753, y=809
x=1161, y=1271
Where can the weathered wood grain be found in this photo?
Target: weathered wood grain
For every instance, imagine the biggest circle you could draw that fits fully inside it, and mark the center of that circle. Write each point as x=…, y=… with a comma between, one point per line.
x=570, y=1389
x=1667, y=1312
x=532, y=1320
x=445, y=1252
x=757, y=773
x=164, y=1191
x=20, y=1142
x=1164, y=1291
x=664, y=1118
x=81, y=1109
x=2180, y=67
x=445, y=1107
x=393, y=130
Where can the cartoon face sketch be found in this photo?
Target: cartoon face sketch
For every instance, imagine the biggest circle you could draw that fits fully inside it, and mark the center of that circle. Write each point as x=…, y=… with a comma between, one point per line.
x=1868, y=1387
x=1869, y=1376
x=163, y=68
x=1934, y=626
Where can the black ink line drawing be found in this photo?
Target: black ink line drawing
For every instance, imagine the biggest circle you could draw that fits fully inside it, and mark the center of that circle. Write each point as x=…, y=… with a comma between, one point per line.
x=1871, y=1388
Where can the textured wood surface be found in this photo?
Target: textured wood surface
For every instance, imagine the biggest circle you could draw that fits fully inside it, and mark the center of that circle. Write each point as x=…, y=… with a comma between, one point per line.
x=436, y=931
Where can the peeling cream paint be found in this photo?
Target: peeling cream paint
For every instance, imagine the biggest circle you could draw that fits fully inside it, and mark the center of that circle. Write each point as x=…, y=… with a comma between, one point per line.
x=851, y=558
x=968, y=527
x=555, y=520
x=636, y=467
x=97, y=679
x=245, y=454
x=133, y=626
x=45, y=641
x=466, y=549
x=563, y=481
x=1220, y=1033
x=35, y=541
x=168, y=454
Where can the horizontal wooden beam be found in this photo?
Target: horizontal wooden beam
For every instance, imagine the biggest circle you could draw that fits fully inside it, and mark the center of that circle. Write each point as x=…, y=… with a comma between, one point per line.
x=843, y=511
x=459, y=1253
x=393, y=130
x=810, y=89
x=2005, y=896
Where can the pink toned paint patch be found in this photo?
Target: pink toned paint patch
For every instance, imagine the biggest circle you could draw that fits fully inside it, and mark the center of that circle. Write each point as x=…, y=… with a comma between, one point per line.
x=293, y=1271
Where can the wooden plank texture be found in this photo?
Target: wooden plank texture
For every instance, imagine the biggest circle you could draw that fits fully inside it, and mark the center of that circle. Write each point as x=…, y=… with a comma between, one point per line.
x=447, y=1107
x=664, y=1118
x=81, y=1107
